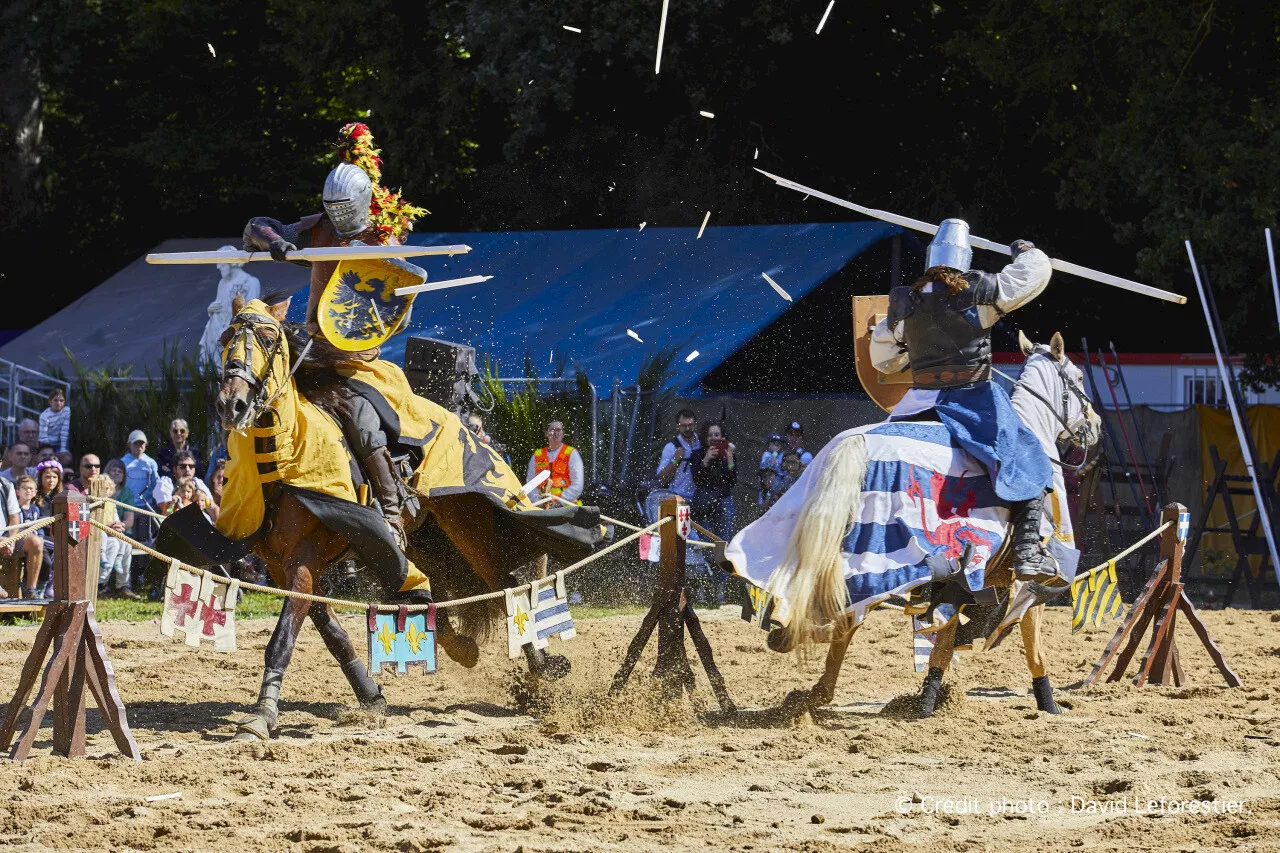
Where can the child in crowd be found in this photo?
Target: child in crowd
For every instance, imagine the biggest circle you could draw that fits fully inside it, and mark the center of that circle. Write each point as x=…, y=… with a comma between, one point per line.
x=48, y=486
x=768, y=493
x=772, y=456
x=33, y=544
x=184, y=493
x=55, y=422
x=791, y=468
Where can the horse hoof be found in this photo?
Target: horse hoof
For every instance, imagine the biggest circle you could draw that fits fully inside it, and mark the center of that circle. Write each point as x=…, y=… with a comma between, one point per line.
x=819, y=697
x=555, y=667
x=376, y=706
x=462, y=650
x=779, y=640
x=795, y=703
x=252, y=729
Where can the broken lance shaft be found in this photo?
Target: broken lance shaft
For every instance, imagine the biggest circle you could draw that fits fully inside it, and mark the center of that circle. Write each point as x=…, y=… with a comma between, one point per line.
x=325, y=253
x=980, y=243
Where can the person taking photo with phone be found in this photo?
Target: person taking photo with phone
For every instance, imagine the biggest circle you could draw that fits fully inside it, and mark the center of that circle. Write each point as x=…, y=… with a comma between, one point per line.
x=674, y=472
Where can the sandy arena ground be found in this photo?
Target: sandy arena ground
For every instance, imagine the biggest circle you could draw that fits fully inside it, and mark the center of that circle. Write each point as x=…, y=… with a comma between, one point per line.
x=459, y=765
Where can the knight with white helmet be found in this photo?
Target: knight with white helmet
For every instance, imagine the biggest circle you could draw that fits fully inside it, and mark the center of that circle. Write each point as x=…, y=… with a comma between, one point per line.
x=940, y=327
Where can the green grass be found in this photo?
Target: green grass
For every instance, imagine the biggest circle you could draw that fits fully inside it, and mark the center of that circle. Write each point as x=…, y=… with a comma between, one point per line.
x=254, y=605
x=260, y=605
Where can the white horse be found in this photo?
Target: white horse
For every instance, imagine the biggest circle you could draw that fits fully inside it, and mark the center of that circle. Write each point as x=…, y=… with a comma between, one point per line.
x=812, y=577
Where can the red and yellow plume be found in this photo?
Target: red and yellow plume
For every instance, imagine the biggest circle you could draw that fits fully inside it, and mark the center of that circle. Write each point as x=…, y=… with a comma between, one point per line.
x=389, y=213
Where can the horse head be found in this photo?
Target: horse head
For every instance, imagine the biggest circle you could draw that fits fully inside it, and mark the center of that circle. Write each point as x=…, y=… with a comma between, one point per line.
x=255, y=361
x=1056, y=386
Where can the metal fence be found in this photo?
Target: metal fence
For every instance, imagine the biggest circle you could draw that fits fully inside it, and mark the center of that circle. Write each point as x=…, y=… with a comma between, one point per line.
x=24, y=393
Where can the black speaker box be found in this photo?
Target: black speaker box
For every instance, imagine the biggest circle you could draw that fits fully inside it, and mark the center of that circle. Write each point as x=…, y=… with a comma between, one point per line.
x=439, y=370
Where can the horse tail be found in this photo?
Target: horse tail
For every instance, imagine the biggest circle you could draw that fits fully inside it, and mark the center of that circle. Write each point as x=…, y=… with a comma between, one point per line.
x=811, y=576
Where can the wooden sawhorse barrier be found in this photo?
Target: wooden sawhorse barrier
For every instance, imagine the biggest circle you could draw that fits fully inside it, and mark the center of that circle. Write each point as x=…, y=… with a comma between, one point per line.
x=1158, y=605
x=671, y=612
x=79, y=657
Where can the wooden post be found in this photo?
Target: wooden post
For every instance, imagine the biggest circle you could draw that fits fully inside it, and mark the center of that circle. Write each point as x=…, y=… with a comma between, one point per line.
x=672, y=663
x=100, y=486
x=670, y=613
x=79, y=658
x=1158, y=606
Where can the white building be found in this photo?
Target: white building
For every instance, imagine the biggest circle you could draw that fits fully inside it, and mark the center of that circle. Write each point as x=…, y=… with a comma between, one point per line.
x=1163, y=381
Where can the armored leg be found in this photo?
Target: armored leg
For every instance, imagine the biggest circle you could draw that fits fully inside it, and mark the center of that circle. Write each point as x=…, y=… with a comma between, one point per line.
x=387, y=489
x=261, y=721
x=929, y=691
x=368, y=691
x=1043, y=692
x=1032, y=561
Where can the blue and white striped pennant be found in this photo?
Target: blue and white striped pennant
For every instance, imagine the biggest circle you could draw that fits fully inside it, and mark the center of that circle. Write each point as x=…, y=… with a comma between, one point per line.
x=1184, y=525
x=551, y=617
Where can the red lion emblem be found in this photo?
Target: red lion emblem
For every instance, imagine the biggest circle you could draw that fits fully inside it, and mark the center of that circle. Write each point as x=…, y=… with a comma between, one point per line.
x=951, y=531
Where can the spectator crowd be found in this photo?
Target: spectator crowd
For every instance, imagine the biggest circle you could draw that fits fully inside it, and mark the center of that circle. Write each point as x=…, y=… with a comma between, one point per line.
x=700, y=463
x=38, y=466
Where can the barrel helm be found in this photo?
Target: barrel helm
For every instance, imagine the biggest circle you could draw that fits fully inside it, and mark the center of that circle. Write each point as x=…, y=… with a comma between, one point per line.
x=347, y=194
x=950, y=246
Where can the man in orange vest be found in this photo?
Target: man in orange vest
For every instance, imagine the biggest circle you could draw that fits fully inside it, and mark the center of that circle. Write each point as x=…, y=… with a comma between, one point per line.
x=564, y=463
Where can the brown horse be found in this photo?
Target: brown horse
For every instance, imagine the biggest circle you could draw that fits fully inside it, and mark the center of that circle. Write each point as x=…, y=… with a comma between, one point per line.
x=259, y=403
x=1049, y=399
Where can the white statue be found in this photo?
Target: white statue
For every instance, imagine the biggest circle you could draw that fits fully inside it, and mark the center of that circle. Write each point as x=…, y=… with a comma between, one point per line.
x=235, y=281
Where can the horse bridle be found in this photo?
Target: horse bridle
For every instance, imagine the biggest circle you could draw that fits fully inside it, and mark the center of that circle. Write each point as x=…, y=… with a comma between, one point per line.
x=246, y=328
x=1075, y=434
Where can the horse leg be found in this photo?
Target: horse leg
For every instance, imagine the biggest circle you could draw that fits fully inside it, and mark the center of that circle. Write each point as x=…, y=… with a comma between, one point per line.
x=467, y=520
x=261, y=721
x=303, y=550
x=825, y=690
x=797, y=702
x=939, y=659
x=338, y=642
x=1040, y=685
x=460, y=649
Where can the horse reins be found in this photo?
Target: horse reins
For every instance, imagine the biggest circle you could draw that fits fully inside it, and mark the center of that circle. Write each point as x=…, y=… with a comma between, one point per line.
x=1068, y=388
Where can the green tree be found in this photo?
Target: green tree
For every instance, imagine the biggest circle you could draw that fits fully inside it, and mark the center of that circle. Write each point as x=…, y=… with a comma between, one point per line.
x=1163, y=119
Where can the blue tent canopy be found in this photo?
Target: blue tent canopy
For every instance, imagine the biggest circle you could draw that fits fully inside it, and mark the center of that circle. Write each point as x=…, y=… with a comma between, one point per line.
x=560, y=297
x=570, y=296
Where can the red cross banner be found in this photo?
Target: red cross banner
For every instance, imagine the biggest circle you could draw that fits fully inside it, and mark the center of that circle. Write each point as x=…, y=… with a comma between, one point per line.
x=78, y=526
x=201, y=606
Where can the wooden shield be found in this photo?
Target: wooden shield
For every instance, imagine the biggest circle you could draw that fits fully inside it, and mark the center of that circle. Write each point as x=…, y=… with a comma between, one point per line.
x=886, y=390
x=359, y=308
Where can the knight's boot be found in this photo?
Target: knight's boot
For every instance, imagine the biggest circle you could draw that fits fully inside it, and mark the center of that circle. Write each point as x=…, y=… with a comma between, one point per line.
x=368, y=692
x=387, y=490
x=1043, y=692
x=1031, y=560
x=261, y=721
x=929, y=691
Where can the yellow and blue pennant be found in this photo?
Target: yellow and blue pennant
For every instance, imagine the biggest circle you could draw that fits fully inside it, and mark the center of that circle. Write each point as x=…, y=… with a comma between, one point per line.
x=1095, y=595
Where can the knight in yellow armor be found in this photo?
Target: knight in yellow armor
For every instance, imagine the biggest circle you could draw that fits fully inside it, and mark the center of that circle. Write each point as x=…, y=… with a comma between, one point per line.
x=357, y=209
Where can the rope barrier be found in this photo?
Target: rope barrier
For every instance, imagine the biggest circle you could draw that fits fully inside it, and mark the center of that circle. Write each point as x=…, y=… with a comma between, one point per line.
x=607, y=520
x=22, y=525
x=32, y=527
x=1127, y=551
x=339, y=602
x=132, y=508
x=705, y=532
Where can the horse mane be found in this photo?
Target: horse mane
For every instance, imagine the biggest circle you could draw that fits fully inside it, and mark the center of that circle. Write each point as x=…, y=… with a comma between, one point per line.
x=317, y=376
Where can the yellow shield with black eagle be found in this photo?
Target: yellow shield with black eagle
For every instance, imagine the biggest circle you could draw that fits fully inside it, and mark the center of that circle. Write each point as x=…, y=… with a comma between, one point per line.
x=359, y=308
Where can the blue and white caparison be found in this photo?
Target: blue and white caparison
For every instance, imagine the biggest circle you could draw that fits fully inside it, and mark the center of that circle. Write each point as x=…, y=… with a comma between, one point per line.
x=880, y=499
